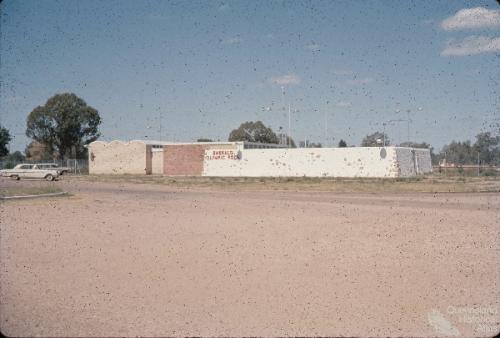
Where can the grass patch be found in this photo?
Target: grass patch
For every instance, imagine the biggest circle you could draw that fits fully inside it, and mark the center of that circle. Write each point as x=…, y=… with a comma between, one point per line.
x=428, y=183
x=24, y=191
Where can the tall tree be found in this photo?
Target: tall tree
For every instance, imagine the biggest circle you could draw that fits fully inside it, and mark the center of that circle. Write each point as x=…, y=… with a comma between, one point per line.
x=37, y=151
x=65, y=124
x=488, y=148
x=5, y=138
x=375, y=140
x=253, y=132
x=459, y=153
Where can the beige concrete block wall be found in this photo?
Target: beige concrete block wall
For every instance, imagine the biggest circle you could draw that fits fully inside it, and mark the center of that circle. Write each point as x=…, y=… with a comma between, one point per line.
x=118, y=157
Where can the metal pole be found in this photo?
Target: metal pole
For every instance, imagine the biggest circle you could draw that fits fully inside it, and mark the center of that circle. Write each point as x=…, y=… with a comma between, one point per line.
x=326, y=129
x=478, y=163
x=445, y=165
x=289, y=126
x=384, y=133
x=408, y=121
x=160, y=125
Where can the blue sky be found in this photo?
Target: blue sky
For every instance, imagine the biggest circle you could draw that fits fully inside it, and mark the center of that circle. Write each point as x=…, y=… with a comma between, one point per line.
x=207, y=66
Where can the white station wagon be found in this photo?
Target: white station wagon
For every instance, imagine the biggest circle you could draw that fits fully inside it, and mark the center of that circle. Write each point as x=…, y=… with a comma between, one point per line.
x=62, y=170
x=25, y=170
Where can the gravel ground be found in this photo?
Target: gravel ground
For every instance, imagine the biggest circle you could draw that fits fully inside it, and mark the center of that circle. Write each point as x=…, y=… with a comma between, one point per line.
x=121, y=259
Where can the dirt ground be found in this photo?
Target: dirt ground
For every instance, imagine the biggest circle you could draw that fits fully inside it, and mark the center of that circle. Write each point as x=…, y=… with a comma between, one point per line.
x=125, y=259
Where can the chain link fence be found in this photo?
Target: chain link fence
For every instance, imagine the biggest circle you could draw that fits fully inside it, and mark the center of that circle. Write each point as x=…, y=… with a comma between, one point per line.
x=75, y=166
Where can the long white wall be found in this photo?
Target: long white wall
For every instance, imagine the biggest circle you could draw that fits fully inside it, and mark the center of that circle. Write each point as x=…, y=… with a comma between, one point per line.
x=314, y=162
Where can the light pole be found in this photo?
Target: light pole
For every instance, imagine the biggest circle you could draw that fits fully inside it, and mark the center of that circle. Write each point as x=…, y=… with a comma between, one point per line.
x=289, y=126
x=289, y=116
x=384, y=124
x=408, y=120
x=478, y=163
x=396, y=120
x=160, y=124
x=408, y=123
x=326, y=129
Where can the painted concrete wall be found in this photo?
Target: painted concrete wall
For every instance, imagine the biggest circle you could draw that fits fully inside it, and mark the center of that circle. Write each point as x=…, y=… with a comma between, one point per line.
x=118, y=157
x=314, y=162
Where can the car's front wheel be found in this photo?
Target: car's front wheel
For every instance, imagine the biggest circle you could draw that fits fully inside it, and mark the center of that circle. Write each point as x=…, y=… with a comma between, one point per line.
x=50, y=177
x=15, y=177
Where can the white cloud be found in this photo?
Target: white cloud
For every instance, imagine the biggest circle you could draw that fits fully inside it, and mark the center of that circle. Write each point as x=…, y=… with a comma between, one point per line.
x=471, y=45
x=233, y=40
x=289, y=79
x=472, y=18
x=359, y=82
x=313, y=47
x=343, y=104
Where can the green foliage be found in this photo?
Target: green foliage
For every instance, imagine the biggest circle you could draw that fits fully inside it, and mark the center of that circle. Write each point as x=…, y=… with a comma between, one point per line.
x=253, y=132
x=64, y=124
x=375, y=140
x=459, y=153
x=410, y=144
x=38, y=152
x=486, y=147
x=342, y=144
x=5, y=138
x=204, y=140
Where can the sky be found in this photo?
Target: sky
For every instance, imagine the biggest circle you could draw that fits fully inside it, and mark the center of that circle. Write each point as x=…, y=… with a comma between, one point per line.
x=179, y=71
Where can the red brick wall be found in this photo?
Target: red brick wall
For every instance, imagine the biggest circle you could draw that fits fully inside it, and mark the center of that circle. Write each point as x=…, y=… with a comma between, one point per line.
x=184, y=160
